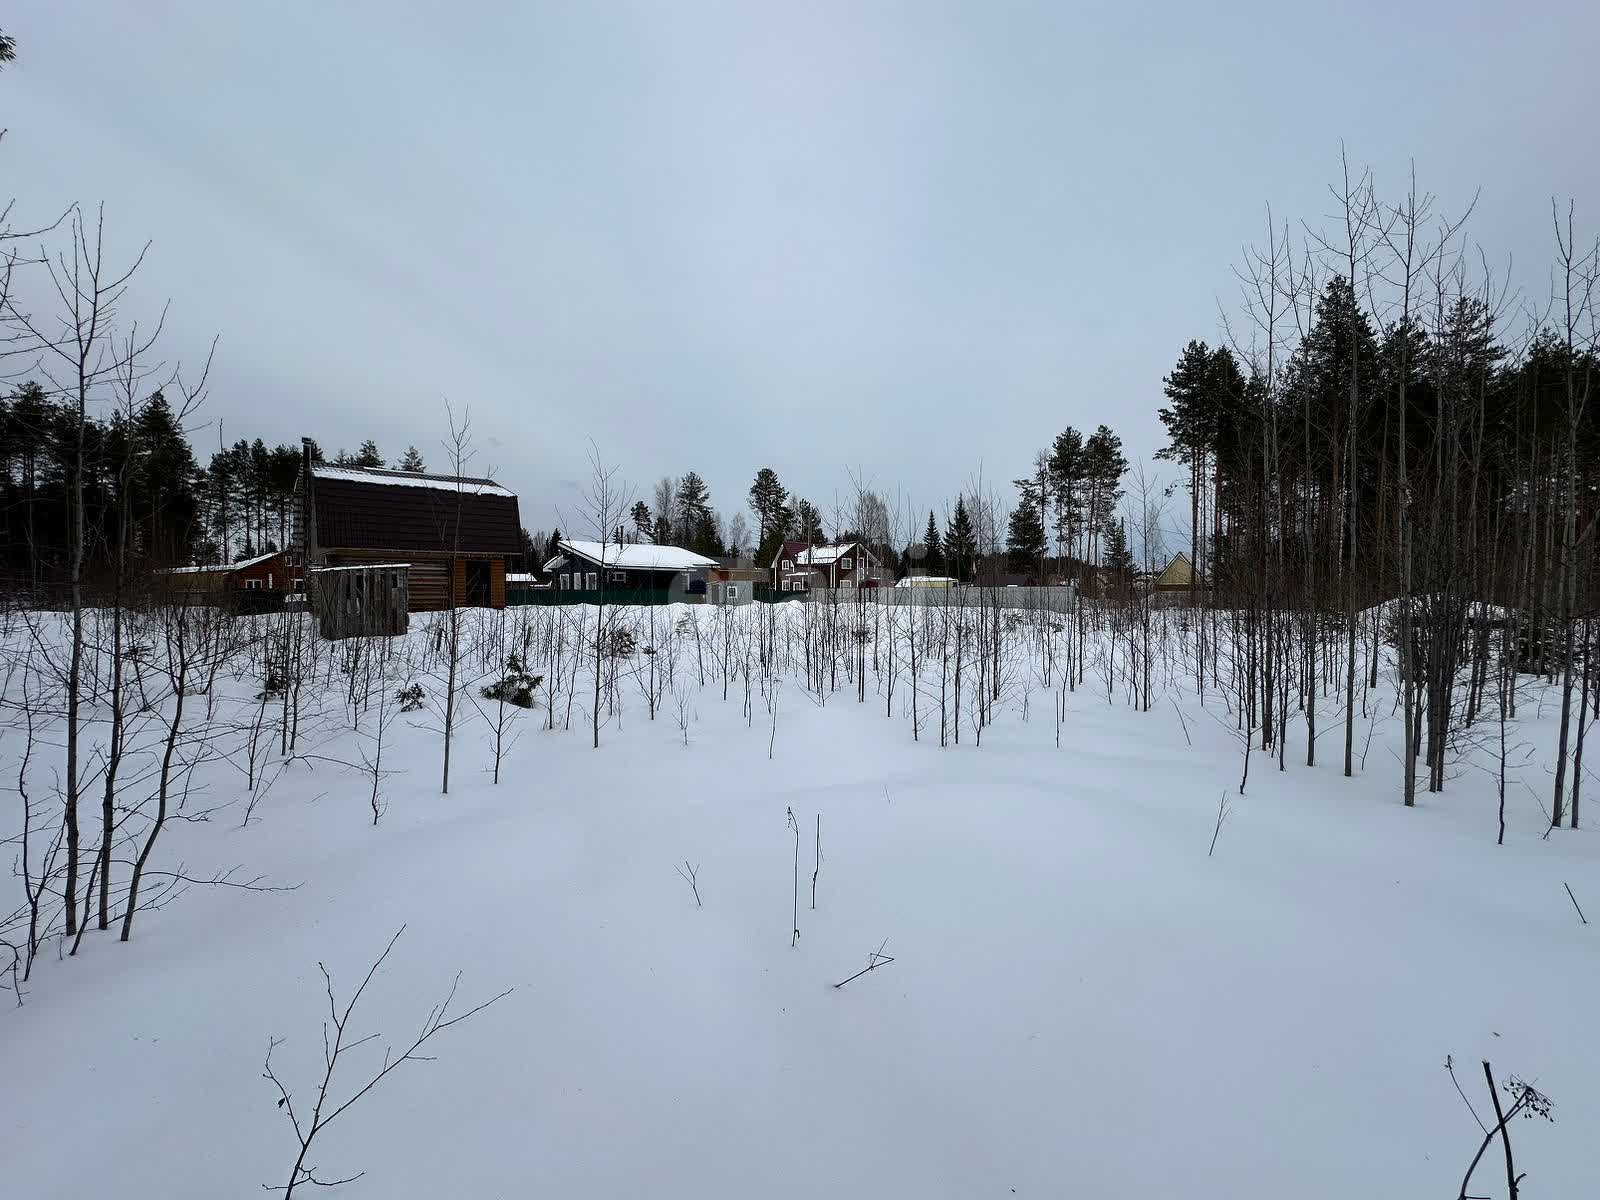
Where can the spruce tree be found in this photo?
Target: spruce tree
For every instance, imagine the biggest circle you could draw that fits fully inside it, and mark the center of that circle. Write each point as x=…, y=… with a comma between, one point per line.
x=933, y=547
x=696, y=524
x=960, y=543
x=1025, y=536
x=1118, y=558
x=807, y=525
x=368, y=455
x=411, y=460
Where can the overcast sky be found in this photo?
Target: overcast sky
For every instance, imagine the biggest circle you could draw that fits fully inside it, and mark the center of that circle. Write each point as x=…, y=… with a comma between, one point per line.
x=917, y=239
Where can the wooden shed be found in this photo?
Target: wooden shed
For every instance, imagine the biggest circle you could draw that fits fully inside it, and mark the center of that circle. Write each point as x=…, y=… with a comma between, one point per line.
x=455, y=534
x=369, y=600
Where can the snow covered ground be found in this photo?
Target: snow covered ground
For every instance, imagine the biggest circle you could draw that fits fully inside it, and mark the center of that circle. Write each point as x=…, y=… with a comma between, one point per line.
x=1081, y=1002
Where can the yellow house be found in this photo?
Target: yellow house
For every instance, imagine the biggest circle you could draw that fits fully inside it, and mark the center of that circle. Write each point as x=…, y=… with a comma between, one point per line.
x=1179, y=575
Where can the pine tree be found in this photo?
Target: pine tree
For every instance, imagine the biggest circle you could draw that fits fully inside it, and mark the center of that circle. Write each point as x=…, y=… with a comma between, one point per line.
x=643, y=524
x=411, y=460
x=1104, y=467
x=1066, y=476
x=766, y=501
x=960, y=543
x=368, y=455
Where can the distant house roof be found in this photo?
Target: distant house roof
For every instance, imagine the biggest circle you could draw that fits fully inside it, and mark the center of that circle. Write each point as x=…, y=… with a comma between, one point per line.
x=822, y=556
x=369, y=508
x=789, y=550
x=417, y=479
x=634, y=557
x=222, y=568
x=1178, y=573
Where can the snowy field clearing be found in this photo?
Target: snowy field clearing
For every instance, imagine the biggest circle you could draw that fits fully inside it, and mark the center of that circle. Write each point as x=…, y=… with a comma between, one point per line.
x=1082, y=1002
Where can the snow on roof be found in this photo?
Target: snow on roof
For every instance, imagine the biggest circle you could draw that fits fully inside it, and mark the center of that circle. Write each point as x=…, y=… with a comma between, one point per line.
x=220, y=567
x=394, y=566
x=911, y=581
x=417, y=479
x=637, y=557
x=821, y=556
x=520, y=577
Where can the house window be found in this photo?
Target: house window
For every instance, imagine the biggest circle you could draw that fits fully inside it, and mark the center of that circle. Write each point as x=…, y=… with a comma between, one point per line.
x=594, y=581
x=788, y=564
x=566, y=583
x=847, y=564
x=617, y=576
x=269, y=578
x=847, y=583
x=730, y=591
x=253, y=585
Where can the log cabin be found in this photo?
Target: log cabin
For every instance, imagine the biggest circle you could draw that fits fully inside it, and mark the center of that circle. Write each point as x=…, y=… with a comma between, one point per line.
x=456, y=534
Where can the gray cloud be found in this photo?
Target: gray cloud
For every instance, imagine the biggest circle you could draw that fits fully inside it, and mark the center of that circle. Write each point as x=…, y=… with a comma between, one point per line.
x=916, y=239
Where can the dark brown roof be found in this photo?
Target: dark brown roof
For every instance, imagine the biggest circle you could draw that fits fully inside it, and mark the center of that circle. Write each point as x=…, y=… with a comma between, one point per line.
x=362, y=508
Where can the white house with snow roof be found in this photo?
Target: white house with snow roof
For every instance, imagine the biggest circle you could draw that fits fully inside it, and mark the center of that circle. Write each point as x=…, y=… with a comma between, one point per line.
x=593, y=566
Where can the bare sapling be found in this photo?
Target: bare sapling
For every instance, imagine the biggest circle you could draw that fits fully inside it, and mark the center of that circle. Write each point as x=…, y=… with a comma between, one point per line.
x=459, y=451
x=682, y=711
x=389, y=708
x=772, y=738
x=1222, y=815
x=691, y=876
x=794, y=918
x=337, y=1044
x=816, y=865
x=195, y=641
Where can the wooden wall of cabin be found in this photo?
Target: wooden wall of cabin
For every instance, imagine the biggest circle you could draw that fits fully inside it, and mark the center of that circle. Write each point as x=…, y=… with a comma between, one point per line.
x=435, y=581
x=429, y=584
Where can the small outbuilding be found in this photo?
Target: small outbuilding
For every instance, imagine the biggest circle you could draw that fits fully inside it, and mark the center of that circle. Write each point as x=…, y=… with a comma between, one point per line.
x=369, y=600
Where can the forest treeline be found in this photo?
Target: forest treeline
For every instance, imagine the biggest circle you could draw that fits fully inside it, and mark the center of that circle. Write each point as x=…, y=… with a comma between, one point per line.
x=240, y=503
